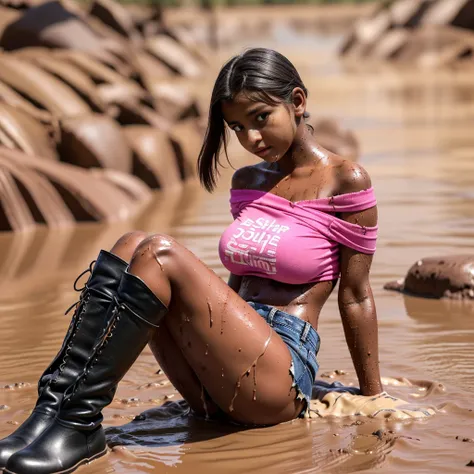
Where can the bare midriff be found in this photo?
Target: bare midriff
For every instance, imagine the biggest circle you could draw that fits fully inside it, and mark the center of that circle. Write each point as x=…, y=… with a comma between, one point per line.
x=303, y=301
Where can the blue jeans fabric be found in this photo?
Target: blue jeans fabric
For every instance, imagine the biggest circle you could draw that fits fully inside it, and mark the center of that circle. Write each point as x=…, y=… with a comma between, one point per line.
x=303, y=343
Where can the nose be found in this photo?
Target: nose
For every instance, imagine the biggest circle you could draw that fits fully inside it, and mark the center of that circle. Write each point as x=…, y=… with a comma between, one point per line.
x=254, y=136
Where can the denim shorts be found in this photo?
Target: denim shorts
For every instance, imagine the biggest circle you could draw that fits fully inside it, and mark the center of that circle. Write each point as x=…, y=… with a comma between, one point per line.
x=303, y=343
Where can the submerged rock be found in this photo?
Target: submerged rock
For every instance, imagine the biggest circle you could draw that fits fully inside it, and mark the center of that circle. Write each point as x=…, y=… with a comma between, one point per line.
x=439, y=277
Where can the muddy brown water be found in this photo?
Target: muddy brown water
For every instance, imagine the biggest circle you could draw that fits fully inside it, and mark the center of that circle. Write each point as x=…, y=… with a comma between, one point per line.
x=418, y=144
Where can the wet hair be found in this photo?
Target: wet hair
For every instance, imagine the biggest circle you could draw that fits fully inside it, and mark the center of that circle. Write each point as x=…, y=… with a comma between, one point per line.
x=267, y=76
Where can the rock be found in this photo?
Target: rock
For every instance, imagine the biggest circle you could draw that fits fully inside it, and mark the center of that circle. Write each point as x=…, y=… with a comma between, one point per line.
x=40, y=87
x=36, y=201
x=391, y=44
x=175, y=56
x=414, y=31
x=13, y=98
x=134, y=187
x=431, y=46
x=365, y=33
x=52, y=25
x=154, y=158
x=173, y=101
x=69, y=73
x=88, y=198
x=18, y=130
x=98, y=88
x=187, y=140
x=7, y=16
x=458, y=13
x=439, y=277
x=94, y=140
x=116, y=16
x=132, y=112
x=121, y=91
x=14, y=212
x=334, y=138
x=151, y=69
x=95, y=69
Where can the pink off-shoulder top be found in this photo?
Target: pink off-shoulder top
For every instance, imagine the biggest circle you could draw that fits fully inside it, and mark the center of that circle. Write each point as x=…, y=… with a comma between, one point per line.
x=293, y=242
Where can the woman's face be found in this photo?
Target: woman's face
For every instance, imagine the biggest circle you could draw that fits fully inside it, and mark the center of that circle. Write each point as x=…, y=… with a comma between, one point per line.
x=265, y=130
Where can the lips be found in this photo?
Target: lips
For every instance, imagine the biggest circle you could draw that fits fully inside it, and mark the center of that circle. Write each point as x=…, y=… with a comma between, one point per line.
x=263, y=151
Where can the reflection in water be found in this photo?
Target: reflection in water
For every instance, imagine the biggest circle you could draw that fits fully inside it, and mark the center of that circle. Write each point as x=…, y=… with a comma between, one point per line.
x=417, y=143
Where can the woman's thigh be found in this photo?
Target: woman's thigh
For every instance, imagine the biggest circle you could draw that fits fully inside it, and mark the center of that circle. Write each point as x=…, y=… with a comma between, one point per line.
x=172, y=361
x=243, y=364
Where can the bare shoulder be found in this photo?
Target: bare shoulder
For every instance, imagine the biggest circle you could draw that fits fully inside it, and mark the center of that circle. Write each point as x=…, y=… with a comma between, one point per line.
x=244, y=177
x=351, y=177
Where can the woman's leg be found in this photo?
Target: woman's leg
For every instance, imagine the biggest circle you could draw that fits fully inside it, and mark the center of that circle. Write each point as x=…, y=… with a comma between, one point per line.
x=242, y=363
x=127, y=244
x=180, y=373
x=165, y=350
x=87, y=323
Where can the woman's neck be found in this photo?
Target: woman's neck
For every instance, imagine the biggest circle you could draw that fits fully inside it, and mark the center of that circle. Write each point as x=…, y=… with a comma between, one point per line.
x=304, y=152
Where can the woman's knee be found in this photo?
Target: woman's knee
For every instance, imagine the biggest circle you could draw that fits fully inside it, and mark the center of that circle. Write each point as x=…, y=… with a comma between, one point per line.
x=153, y=262
x=155, y=249
x=127, y=244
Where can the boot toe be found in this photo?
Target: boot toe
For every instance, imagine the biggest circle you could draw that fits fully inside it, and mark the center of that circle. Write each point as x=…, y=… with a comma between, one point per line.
x=59, y=449
x=38, y=458
x=33, y=426
x=7, y=449
x=23, y=464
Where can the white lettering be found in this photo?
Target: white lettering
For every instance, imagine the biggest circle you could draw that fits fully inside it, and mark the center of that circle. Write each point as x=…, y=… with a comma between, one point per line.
x=263, y=232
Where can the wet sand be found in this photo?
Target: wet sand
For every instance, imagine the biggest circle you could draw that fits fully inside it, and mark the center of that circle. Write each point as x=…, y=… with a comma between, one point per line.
x=417, y=143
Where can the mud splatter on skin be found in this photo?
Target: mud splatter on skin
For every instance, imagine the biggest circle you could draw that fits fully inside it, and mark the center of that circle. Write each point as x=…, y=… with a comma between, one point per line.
x=247, y=373
x=158, y=261
x=209, y=307
x=207, y=350
x=223, y=311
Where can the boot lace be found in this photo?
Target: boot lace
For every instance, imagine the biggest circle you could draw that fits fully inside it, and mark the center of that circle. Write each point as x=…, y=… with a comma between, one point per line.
x=76, y=318
x=80, y=290
x=101, y=343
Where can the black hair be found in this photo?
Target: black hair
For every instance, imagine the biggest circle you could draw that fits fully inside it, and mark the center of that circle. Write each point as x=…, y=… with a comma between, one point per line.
x=265, y=73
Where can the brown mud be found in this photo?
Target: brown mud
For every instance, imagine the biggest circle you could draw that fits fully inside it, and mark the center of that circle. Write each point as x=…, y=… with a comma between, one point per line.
x=450, y=276
x=416, y=140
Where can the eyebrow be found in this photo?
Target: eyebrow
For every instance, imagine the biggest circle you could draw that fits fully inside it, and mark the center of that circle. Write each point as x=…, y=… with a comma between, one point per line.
x=253, y=111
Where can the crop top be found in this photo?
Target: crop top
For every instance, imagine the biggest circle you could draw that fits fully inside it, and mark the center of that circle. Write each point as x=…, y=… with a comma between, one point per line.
x=293, y=242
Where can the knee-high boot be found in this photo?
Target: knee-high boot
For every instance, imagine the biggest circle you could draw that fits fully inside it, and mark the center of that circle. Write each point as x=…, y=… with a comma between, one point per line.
x=86, y=324
x=76, y=435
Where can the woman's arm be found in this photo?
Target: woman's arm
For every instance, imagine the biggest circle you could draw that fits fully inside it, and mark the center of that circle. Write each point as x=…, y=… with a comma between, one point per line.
x=356, y=302
x=359, y=318
x=234, y=282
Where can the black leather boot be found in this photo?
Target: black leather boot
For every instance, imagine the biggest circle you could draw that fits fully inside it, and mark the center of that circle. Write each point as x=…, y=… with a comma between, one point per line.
x=87, y=323
x=76, y=435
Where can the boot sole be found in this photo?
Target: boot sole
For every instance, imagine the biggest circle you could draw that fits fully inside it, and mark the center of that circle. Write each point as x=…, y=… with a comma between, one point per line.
x=72, y=469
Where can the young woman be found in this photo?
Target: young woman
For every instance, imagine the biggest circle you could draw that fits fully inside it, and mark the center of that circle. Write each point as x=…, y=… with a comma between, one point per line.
x=245, y=350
